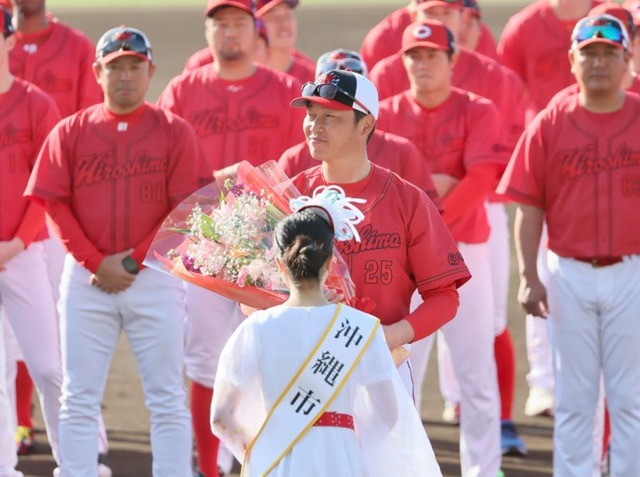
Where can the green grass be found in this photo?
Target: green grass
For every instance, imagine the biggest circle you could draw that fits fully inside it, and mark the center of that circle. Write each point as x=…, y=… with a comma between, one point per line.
x=55, y=5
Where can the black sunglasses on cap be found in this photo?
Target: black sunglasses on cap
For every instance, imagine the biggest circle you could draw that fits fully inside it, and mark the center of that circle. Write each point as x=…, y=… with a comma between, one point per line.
x=123, y=39
x=329, y=91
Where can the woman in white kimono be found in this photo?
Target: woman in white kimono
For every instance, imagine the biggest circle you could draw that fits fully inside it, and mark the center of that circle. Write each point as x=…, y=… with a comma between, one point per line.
x=309, y=388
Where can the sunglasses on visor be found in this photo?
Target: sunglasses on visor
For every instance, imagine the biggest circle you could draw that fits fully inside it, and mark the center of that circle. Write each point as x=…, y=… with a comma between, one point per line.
x=605, y=29
x=329, y=91
x=126, y=41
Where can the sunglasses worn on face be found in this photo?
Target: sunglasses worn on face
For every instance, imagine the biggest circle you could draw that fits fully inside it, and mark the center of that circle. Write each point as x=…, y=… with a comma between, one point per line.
x=329, y=91
x=126, y=41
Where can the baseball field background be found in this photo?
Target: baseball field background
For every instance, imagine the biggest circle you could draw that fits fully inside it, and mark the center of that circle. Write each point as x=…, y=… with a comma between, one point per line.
x=176, y=29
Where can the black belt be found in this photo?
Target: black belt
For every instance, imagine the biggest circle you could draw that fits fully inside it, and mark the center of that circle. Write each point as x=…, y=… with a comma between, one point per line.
x=599, y=262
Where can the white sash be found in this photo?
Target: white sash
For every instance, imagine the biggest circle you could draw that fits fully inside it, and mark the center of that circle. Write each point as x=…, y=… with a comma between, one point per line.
x=310, y=392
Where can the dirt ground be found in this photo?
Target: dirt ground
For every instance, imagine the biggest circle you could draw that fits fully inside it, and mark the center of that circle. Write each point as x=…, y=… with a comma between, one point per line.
x=175, y=34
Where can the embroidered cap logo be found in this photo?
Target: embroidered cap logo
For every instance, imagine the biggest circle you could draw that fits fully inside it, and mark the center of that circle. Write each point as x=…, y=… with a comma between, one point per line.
x=422, y=32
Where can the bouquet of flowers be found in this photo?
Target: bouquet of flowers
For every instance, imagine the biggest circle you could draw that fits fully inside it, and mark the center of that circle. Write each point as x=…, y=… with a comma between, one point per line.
x=221, y=238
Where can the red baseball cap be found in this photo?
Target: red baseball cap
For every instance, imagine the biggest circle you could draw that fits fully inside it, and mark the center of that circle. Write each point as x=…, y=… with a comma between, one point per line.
x=440, y=3
x=427, y=34
x=213, y=5
x=6, y=27
x=634, y=7
x=617, y=11
x=123, y=41
x=263, y=6
x=600, y=29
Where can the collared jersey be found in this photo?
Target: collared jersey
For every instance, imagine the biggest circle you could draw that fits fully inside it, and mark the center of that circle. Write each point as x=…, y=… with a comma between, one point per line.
x=462, y=132
x=404, y=243
x=583, y=170
x=27, y=115
x=390, y=151
x=59, y=63
x=474, y=73
x=534, y=44
x=248, y=119
x=121, y=175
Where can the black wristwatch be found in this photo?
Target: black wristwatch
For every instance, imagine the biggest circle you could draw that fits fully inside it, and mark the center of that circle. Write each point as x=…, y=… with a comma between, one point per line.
x=130, y=265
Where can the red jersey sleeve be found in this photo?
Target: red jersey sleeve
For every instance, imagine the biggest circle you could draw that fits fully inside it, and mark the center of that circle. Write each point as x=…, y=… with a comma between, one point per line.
x=509, y=51
x=89, y=92
x=523, y=180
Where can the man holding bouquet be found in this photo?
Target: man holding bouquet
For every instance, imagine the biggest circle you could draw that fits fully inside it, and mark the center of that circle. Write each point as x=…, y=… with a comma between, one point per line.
x=404, y=245
x=108, y=176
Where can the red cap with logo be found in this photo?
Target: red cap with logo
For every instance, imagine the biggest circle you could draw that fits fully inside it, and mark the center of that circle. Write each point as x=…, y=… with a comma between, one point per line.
x=600, y=29
x=617, y=11
x=263, y=6
x=213, y=5
x=427, y=34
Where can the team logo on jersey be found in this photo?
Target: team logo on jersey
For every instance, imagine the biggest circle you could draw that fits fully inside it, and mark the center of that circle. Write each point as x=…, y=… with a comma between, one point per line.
x=52, y=84
x=455, y=259
x=10, y=136
x=207, y=122
x=582, y=161
x=421, y=32
x=101, y=167
x=370, y=240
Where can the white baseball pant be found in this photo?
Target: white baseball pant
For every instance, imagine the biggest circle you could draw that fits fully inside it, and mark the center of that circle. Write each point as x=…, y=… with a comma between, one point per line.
x=500, y=262
x=594, y=329
x=8, y=457
x=470, y=336
x=28, y=304
x=211, y=320
x=151, y=313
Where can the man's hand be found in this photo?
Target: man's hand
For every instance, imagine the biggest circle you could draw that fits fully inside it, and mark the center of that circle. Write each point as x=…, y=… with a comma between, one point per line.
x=9, y=249
x=532, y=296
x=444, y=183
x=111, y=277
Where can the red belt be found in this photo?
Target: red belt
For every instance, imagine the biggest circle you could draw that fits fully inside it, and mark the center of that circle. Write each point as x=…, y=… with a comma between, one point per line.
x=597, y=262
x=335, y=419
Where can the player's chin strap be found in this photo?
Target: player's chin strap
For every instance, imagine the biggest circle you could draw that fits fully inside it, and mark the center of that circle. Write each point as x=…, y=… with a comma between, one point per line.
x=342, y=214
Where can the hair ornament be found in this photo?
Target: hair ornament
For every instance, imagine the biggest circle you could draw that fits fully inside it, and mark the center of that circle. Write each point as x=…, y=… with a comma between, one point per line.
x=343, y=214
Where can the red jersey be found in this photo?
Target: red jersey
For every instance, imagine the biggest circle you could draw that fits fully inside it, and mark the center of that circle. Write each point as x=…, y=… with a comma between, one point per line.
x=392, y=152
x=404, y=245
x=27, y=115
x=472, y=72
x=534, y=44
x=302, y=67
x=575, y=89
x=108, y=181
x=583, y=170
x=461, y=133
x=385, y=39
x=59, y=62
x=248, y=119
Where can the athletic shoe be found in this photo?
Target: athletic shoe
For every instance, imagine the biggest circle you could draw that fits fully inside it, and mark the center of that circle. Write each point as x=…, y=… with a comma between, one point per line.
x=512, y=445
x=451, y=413
x=197, y=473
x=25, y=442
x=539, y=403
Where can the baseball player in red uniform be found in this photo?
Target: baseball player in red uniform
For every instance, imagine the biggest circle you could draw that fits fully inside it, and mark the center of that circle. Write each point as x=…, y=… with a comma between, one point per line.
x=387, y=150
x=58, y=59
x=542, y=65
x=129, y=164
x=472, y=72
x=404, y=243
x=461, y=135
x=385, y=38
x=26, y=116
x=634, y=7
x=279, y=27
x=240, y=111
x=575, y=169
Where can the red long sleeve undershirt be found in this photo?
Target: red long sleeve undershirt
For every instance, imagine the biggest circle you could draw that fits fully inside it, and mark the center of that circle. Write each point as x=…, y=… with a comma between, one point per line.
x=32, y=223
x=438, y=308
